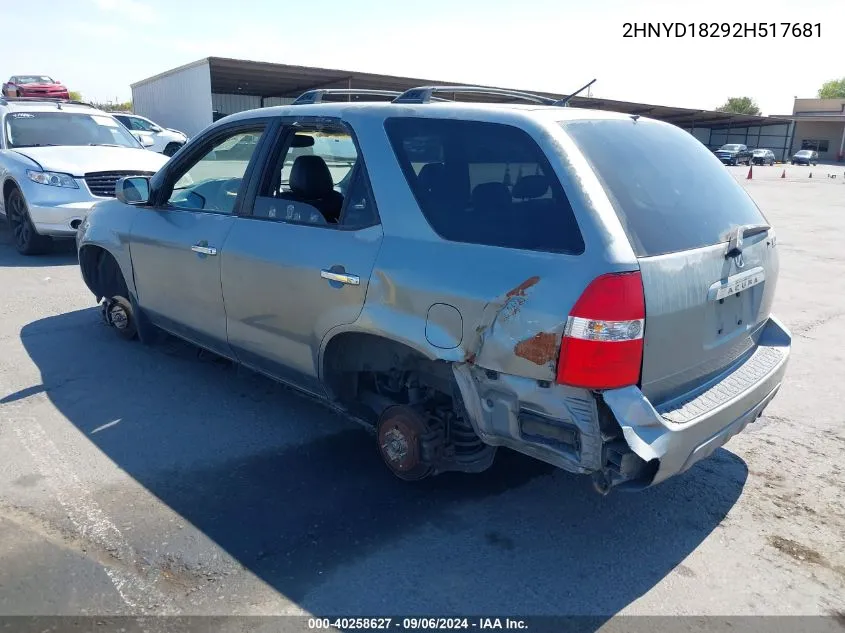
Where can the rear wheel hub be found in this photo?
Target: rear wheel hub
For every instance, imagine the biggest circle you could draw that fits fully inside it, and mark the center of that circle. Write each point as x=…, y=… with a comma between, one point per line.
x=401, y=432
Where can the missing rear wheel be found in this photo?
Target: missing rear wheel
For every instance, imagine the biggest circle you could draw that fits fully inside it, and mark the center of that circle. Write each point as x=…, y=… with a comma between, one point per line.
x=401, y=432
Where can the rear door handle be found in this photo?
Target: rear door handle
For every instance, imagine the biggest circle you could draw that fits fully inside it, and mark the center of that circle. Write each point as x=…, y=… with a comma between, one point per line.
x=205, y=250
x=344, y=278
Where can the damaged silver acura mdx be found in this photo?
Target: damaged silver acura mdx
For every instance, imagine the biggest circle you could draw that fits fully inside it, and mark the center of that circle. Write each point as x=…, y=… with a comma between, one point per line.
x=589, y=288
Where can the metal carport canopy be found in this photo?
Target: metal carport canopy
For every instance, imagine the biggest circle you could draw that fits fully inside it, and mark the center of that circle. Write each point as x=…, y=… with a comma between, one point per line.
x=264, y=79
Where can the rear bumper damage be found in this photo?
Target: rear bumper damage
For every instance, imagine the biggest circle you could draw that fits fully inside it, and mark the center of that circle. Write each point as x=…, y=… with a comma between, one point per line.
x=553, y=423
x=680, y=433
x=575, y=430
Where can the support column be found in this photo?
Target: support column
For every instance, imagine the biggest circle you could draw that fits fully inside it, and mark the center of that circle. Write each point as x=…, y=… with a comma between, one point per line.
x=791, y=141
x=842, y=144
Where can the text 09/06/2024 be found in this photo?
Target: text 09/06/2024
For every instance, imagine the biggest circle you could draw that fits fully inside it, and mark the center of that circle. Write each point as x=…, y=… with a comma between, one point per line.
x=722, y=29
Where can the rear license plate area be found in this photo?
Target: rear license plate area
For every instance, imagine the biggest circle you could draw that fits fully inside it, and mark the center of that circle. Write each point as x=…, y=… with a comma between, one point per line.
x=735, y=301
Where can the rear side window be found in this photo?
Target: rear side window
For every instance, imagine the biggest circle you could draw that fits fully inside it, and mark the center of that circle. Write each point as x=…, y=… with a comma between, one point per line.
x=670, y=193
x=484, y=183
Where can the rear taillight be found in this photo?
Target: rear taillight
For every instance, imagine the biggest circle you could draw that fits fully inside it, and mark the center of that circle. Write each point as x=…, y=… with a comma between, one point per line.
x=602, y=345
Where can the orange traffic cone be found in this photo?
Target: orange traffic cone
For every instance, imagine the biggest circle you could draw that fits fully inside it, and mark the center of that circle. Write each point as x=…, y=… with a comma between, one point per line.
x=748, y=177
x=783, y=175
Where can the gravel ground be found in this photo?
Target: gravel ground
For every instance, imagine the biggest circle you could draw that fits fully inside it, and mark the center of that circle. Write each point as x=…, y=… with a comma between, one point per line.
x=141, y=480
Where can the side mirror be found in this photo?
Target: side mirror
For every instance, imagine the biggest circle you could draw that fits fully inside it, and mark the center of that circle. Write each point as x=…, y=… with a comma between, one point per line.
x=133, y=190
x=146, y=140
x=155, y=128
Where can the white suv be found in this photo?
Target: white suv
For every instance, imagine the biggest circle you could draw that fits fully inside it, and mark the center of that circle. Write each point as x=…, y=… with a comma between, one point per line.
x=57, y=159
x=164, y=140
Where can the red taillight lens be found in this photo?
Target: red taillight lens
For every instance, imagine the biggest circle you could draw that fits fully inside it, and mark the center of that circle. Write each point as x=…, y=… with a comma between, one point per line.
x=602, y=346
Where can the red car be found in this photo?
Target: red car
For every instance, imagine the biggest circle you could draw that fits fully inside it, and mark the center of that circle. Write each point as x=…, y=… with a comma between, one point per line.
x=35, y=86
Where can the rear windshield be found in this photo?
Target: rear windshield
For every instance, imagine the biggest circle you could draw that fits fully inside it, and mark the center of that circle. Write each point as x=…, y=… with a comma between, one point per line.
x=484, y=183
x=670, y=192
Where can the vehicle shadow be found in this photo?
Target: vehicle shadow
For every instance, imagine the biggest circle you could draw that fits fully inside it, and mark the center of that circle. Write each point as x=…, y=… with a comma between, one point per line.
x=62, y=252
x=299, y=497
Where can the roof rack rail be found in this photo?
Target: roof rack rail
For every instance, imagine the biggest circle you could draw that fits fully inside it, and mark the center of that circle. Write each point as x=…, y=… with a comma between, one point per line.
x=424, y=94
x=7, y=100
x=316, y=96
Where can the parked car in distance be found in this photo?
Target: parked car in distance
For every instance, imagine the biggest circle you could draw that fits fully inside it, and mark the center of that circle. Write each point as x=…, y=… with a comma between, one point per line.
x=734, y=154
x=166, y=141
x=763, y=157
x=806, y=157
x=463, y=276
x=40, y=86
x=56, y=161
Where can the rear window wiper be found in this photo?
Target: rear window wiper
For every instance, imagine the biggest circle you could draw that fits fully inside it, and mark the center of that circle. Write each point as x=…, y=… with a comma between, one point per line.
x=744, y=230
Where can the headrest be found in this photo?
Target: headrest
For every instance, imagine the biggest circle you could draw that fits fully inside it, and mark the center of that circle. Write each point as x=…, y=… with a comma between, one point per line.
x=490, y=194
x=530, y=187
x=310, y=177
x=431, y=175
x=302, y=140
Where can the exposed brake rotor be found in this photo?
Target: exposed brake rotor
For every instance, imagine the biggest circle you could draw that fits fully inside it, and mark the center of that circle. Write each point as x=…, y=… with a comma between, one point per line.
x=402, y=432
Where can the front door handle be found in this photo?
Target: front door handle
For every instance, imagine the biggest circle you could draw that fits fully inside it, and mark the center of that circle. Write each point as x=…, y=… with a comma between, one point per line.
x=344, y=278
x=204, y=250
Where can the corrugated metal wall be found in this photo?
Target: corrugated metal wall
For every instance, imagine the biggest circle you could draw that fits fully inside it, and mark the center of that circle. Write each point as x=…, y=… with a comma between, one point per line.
x=229, y=104
x=180, y=99
x=773, y=137
x=701, y=133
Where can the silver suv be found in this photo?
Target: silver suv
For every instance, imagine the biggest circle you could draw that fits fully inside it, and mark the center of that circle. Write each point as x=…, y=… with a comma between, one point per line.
x=589, y=288
x=58, y=158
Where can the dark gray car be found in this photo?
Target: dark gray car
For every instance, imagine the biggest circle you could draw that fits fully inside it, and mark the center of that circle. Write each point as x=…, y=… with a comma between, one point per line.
x=591, y=289
x=806, y=157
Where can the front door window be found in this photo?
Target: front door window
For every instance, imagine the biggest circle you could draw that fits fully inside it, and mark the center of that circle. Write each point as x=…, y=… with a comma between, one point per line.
x=213, y=182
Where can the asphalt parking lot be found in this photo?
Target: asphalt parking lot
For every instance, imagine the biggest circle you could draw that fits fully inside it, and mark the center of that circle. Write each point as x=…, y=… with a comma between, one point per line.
x=150, y=480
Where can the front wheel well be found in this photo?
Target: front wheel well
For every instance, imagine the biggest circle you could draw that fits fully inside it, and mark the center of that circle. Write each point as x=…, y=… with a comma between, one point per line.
x=8, y=187
x=102, y=273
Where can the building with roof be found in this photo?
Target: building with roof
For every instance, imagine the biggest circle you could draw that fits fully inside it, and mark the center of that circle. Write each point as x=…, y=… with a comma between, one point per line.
x=191, y=97
x=820, y=126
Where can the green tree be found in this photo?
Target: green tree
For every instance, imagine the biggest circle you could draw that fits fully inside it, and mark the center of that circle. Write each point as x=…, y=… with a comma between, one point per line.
x=833, y=89
x=739, y=105
x=74, y=95
x=110, y=106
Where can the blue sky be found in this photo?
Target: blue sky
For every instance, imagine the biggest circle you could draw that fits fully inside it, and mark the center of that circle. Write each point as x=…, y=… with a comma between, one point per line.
x=99, y=47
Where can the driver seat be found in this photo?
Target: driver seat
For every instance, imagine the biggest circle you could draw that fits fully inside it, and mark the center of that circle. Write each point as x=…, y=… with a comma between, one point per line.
x=311, y=182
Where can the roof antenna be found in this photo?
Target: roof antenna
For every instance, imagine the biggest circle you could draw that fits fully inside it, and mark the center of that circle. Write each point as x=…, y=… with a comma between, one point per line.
x=564, y=103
